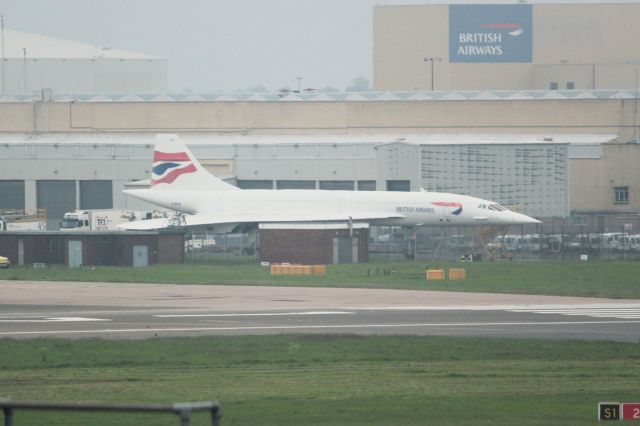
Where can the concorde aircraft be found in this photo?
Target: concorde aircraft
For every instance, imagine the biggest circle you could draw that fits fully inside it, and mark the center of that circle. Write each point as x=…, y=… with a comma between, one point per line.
x=180, y=183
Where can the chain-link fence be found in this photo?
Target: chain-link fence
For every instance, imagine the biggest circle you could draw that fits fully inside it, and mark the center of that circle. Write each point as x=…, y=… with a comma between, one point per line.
x=501, y=243
x=221, y=248
x=488, y=243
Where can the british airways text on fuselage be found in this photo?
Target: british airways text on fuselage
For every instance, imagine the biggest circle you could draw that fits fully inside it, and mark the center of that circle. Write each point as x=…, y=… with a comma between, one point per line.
x=417, y=210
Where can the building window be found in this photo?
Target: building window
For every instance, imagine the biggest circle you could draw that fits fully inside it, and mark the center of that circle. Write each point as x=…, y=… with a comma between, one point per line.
x=553, y=85
x=296, y=184
x=342, y=185
x=255, y=184
x=579, y=220
x=399, y=185
x=621, y=195
x=366, y=185
x=571, y=85
x=96, y=194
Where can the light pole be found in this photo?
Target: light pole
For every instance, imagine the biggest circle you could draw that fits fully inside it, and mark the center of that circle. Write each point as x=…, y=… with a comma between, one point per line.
x=299, y=81
x=432, y=60
x=2, y=35
x=24, y=51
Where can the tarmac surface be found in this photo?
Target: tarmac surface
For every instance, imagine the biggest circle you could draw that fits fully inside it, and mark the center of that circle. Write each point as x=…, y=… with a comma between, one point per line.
x=112, y=310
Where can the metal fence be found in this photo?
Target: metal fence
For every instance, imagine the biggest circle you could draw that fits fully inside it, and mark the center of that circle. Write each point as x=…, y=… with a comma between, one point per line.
x=224, y=248
x=182, y=410
x=518, y=242
x=502, y=243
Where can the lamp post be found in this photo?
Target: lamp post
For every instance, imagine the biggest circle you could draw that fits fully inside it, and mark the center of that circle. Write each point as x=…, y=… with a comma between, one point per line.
x=432, y=60
x=2, y=46
x=24, y=52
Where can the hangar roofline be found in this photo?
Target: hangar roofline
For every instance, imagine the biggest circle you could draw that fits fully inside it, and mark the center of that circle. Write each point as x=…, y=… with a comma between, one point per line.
x=50, y=48
x=369, y=96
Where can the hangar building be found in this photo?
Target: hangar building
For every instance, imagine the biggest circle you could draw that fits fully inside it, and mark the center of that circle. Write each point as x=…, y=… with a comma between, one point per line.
x=34, y=62
x=568, y=46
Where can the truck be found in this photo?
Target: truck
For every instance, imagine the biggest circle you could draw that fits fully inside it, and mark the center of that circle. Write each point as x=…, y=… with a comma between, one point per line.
x=23, y=220
x=102, y=220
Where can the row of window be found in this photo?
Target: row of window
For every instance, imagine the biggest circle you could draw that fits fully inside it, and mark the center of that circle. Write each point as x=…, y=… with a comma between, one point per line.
x=58, y=195
x=569, y=86
x=341, y=185
x=344, y=185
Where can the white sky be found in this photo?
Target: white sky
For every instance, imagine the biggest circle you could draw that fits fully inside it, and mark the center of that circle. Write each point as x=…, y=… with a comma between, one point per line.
x=216, y=45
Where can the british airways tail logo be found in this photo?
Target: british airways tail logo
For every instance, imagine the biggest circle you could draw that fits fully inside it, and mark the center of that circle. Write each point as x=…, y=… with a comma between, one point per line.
x=516, y=29
x=167, y=167
x=454, y=204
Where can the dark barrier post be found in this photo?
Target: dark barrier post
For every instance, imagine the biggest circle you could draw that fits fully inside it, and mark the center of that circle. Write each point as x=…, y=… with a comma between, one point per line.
x=183, y=410
x=8, y=416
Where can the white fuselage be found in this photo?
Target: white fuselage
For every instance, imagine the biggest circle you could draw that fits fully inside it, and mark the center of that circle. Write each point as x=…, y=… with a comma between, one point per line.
x=401, y=208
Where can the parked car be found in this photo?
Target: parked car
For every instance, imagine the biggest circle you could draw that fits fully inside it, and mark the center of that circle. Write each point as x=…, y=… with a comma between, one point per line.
x=4, y=262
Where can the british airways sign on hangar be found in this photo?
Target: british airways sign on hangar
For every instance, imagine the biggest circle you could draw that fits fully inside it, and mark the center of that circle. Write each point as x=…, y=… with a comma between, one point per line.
x=490, y=33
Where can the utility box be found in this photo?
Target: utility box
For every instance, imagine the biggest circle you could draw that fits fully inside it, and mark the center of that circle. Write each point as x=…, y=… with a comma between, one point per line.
x=277, y=269
x=435, y=274
x=457, y=274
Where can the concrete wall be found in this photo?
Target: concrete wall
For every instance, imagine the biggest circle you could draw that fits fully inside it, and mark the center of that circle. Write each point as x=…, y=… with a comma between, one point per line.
x=354, y=117
x=593, y=180
x=85, y=75
x=399, y=161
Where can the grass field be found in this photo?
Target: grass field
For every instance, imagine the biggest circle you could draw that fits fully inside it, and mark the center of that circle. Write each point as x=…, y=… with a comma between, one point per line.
x=616, y=279
x=322, y=380
x=350, y=380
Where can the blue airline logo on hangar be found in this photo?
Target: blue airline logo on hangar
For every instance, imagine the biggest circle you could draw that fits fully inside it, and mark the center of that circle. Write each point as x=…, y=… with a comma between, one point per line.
x=490, y=33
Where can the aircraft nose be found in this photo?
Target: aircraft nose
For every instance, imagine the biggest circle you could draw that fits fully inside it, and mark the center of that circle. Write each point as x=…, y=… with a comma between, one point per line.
x=523, y=219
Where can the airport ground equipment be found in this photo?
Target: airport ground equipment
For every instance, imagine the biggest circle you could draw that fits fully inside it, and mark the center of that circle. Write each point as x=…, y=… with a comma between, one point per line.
x=23, y=220
x=102, y=220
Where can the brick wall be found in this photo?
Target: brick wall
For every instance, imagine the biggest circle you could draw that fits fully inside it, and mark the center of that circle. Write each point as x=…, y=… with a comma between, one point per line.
x=306, y=246
x=97, y=249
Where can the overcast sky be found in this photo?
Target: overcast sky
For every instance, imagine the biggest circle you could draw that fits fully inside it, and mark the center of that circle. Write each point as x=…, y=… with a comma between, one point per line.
x=216, y=45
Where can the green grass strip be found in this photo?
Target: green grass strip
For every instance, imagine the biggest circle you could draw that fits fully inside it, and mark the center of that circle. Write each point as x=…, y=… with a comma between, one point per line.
x=322, y=380
x=615, y=279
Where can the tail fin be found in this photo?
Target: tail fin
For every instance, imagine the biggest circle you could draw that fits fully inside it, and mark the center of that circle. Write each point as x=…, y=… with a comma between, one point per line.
x=175, y=167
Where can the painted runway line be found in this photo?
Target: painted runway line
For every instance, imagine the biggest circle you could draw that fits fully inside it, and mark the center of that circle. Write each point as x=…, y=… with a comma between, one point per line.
x=317, y=327
x=601, y=310
x=53, y=319
x=500, y=307
x=257, y=314
x=595, y=312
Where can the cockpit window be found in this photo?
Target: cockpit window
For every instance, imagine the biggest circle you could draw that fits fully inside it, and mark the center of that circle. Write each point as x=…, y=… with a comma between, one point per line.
x=496, y=207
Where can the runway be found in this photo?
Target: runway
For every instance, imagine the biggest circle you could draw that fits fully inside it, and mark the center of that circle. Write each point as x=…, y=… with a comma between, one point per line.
x=110, y=310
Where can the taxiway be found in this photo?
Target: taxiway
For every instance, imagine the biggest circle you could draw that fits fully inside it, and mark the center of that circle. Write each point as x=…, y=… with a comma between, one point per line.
x=111, y=310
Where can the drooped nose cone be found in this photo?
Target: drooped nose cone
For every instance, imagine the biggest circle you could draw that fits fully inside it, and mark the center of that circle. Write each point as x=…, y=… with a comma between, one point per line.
x=523, y=219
